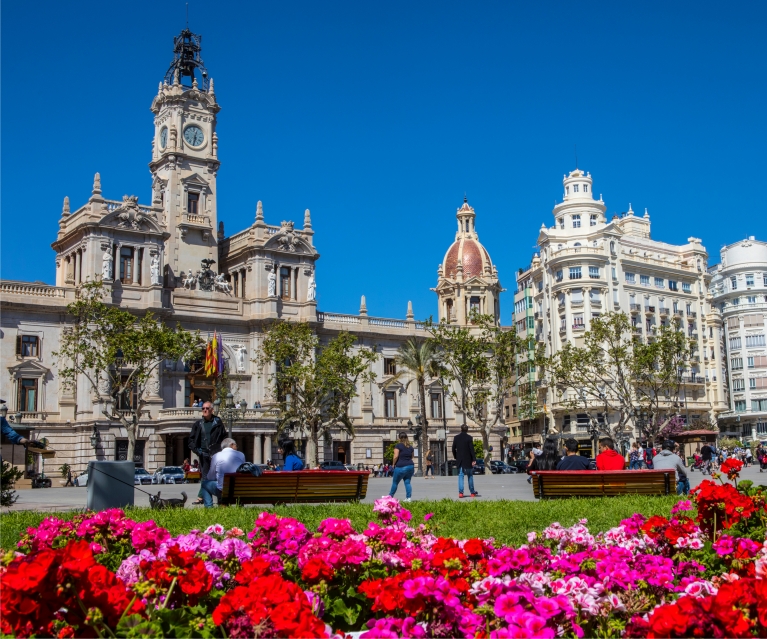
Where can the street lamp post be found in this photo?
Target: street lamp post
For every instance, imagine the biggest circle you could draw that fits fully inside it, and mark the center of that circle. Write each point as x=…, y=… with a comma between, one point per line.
x=229, y=412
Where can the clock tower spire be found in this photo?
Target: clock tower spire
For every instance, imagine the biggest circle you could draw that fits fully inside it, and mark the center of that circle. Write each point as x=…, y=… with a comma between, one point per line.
x=185, y=158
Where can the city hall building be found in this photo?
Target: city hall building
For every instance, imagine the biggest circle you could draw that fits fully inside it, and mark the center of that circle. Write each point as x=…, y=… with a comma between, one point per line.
x=171, y=256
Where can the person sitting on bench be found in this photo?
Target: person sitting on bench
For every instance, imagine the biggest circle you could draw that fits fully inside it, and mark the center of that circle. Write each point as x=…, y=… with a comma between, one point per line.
x=573, y=461
x=668, y=460
x=292, y=461
x=609, y=458
x=226, y=461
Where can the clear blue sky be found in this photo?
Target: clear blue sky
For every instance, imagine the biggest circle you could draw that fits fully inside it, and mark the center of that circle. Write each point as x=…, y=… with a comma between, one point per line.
x=379, y=116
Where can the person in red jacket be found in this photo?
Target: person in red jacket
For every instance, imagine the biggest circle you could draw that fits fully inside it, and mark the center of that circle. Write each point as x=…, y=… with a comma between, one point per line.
x=609, y=458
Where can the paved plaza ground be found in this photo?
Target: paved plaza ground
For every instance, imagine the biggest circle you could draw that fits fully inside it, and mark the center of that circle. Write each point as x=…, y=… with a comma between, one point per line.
x=490, y=487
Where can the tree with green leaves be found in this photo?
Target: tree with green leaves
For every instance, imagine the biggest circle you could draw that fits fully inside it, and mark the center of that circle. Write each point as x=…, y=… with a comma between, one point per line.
x=614, y=373
x=313, y=384
x=417, y=358
x=118, y=355
x=598, y=376
x=480, y=361
x=658, y=371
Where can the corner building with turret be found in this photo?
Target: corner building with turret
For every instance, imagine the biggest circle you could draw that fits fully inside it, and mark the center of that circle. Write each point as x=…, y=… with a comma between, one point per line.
x=171, y=256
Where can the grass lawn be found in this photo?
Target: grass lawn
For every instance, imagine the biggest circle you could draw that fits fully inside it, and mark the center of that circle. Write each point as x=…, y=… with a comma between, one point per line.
x=506, y=521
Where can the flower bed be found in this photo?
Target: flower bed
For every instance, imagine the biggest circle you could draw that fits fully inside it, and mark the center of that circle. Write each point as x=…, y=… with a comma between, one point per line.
x=104, y=574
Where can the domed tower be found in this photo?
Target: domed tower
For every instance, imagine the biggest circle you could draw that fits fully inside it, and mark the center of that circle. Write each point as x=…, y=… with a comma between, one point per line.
x=467, y=279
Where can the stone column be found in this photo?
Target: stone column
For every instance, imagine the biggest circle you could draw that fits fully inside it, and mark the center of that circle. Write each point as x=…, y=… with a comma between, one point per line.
x=77, y=259
x=257, y=449
x=267, y=448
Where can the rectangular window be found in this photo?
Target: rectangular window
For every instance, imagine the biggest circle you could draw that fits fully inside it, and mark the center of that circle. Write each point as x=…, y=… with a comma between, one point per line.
x=578, y=320
x=672, y=286
x=28, y=395
x=139, y=262
x=583, y=421
x=758, y=405
x=750, y=362
x=575, y=272
x=129, y=399
x=752, y=383
x=740, y=405
x=593, y=220
x=751, y=299
x=644, y=280
x=436, y=406
x=390, y=404
x=576, y=219
x=192, y=203
x=748, y=320
x=566, y=423
x=738, y=385
x=761, y=427
x=390, y=366
x=474, y=305
x=126, y=265
x=285, y=282
x=585, y=188
x=560, y=276
x=733, y=283
x=531, y=323
x=27, y=345
x=764, y=279
x=659, y=282
x=575, y=188
x=576, y=296
x=735, y=343
x=686, y=287
x=736, y=363
x=615, y=274
x=755, y=340
x=594, y=272
x=630, y=278
x=749, y=279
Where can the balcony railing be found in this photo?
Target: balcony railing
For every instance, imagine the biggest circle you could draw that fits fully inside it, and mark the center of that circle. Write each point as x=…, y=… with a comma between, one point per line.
x=635, y=308
x=663, y=310
x=691, y=316
x=579, y=327
x=649, y=309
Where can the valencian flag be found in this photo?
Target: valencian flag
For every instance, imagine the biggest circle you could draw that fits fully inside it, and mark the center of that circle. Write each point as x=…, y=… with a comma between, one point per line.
x=214, y=356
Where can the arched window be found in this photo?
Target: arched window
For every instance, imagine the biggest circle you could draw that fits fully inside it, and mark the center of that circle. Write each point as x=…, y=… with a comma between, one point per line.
x=449, y=309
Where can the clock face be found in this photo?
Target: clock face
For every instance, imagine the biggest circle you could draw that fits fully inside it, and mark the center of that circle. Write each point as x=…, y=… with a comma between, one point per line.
x=164, y=137
x=193, y=135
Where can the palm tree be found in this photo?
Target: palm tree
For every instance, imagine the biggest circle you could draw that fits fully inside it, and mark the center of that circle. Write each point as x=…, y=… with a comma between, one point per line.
x=418, y=357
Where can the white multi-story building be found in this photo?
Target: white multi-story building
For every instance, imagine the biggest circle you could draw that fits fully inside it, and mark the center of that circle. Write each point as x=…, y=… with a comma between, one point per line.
x=588, y=265
x=739, y=290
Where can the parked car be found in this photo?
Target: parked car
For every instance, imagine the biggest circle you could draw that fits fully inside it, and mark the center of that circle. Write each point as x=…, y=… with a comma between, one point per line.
x=479, y=469
x=168, y=475
x=498, y=467
x=142, y=477
x=350, y=467
x=81, y=480
x=333, y=465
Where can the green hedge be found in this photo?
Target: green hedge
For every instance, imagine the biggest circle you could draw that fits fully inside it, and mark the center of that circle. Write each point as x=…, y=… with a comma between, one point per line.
x=506, y=521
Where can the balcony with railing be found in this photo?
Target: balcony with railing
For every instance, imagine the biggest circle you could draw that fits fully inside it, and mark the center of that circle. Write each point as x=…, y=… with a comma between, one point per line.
x=649, y=310
x=636, y=308
x=579, y=327
x=663, y=311
x=691, y=316
x=27, y=289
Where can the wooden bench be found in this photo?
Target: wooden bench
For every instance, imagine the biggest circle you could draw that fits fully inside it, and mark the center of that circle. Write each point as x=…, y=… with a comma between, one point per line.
x=193, y=476
x=299, y=486
x=552, y=484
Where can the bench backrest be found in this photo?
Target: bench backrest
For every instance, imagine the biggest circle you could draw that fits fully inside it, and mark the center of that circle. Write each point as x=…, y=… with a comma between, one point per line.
x=548, y=484
x=301, y=486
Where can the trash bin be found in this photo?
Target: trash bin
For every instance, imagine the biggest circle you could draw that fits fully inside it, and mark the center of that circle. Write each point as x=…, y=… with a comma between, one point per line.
x=110, y=484
x=454, y=471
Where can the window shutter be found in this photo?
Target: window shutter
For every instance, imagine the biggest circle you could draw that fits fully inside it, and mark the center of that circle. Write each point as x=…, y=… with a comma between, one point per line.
x=18, y=345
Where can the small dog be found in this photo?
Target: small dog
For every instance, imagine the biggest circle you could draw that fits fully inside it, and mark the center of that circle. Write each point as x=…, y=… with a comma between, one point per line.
x=157, y=503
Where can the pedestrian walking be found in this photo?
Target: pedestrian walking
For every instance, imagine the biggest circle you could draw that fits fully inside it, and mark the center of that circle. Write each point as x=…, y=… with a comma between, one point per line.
x=429, y=466
x=69, y=479
x=205, y=440
x=667, y=459
x=403, y=466
x=463, y=453
x=635, y=461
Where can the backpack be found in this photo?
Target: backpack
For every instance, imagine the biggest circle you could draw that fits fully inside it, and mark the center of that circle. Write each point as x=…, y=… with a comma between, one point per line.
x=649, y=453
x=253, y=469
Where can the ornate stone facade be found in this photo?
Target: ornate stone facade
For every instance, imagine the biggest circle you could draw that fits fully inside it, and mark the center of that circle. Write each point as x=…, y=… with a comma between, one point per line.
x=173, y=257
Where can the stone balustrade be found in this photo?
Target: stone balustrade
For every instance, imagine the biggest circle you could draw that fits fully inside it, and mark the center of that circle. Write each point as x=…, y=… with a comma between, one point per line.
x=35, y=290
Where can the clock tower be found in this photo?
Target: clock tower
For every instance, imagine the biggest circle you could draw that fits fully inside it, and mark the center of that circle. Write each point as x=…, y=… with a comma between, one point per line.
x=185, y=159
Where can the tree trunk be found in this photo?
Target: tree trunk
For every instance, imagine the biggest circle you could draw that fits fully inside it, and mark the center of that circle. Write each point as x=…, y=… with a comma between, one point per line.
x=312, y=446
x=424, y=448
x=486, y=444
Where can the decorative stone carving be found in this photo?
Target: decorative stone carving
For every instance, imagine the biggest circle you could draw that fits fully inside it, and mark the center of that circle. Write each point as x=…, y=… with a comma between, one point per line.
x=206, y=277
x=286, y=237
x=272, y=284
x=155, y=269
x=221, y=284
x=311, y=292
x=240, y=353
x=106, y=264
x=128, y=214
x=190, y=280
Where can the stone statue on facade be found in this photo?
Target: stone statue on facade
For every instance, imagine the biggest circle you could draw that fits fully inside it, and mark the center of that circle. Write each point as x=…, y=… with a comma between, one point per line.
x=106, y=264
x=190, y=280
x=205, y=276
x=155, y=269
x=311, y=293
x=240, y=353
x=221, y=283
x=272, y=284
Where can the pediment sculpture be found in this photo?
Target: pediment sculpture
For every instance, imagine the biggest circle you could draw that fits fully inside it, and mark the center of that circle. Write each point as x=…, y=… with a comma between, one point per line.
x=287, y=237
x=128, y=214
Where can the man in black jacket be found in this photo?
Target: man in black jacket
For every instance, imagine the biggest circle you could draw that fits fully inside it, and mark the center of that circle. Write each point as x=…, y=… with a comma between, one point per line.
x=463, y=453
x=205, y=439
